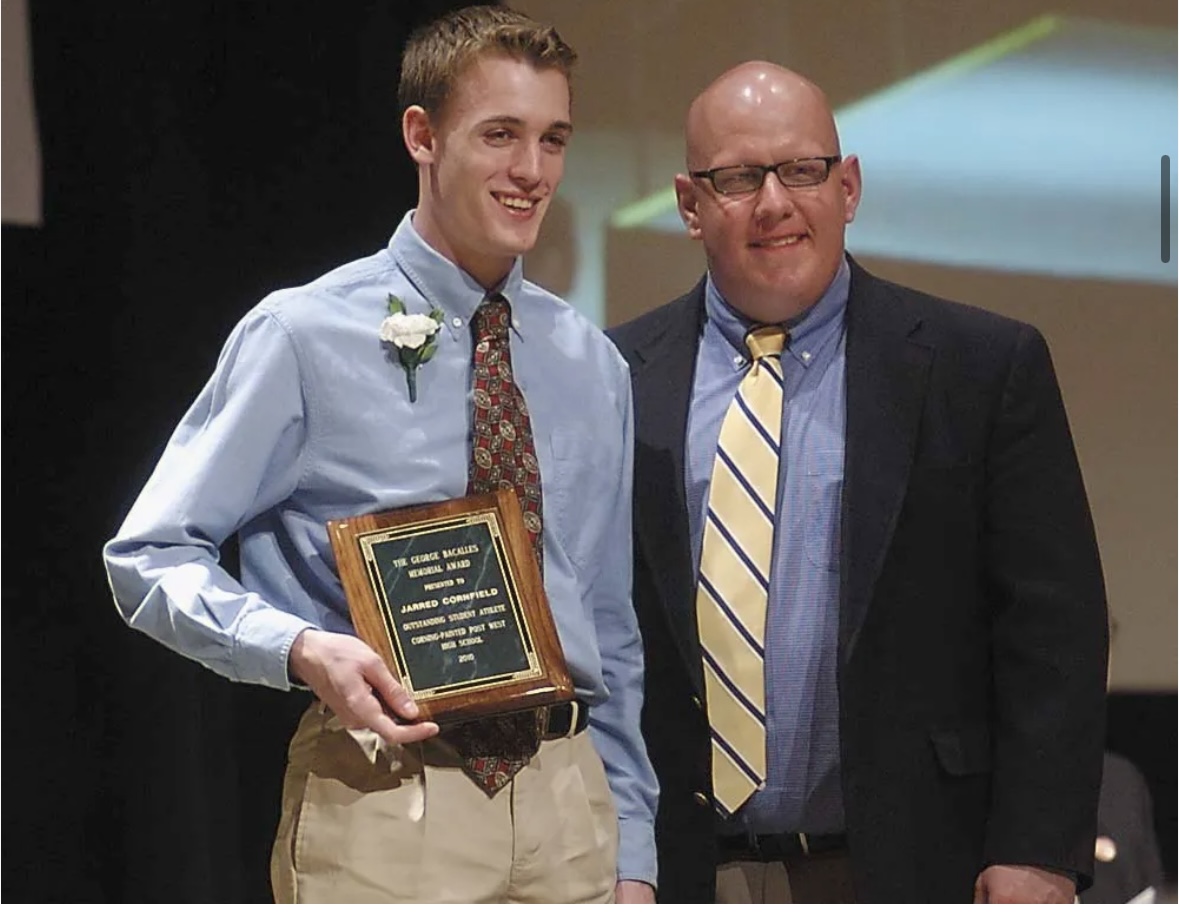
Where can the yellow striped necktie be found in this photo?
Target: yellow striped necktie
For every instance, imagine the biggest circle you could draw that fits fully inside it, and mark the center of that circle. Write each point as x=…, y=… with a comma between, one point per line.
x=735, y=572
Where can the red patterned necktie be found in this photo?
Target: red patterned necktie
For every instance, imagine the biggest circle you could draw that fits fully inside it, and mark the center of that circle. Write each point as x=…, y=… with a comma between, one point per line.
x=503, y=456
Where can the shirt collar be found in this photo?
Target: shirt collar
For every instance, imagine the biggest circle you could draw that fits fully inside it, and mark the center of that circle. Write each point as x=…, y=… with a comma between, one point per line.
x=807, y=331
x=443, y=284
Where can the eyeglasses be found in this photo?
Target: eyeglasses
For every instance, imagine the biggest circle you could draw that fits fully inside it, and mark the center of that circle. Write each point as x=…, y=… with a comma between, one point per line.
x=734, y=180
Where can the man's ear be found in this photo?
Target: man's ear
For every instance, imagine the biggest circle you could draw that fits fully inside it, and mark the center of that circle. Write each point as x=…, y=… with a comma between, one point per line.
x=418, y=133
x=853, y=186
x=687, y=201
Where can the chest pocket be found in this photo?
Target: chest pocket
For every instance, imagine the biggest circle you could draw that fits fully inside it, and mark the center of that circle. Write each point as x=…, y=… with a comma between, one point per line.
x=824, y=497
x=576, y=479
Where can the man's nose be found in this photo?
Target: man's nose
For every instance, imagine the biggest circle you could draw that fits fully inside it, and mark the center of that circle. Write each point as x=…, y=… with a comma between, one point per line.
x=774, y=199
x=526, y=164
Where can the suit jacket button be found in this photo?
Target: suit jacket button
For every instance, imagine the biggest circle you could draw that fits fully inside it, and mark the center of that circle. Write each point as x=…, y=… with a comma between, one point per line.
x=697, y=702
x=701, y=798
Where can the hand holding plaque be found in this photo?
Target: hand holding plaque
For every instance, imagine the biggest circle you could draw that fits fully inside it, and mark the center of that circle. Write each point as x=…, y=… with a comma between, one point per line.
x=450, y=596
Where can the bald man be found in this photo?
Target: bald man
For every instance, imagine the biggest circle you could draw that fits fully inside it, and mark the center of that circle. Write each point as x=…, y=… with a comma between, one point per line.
x=928, y=626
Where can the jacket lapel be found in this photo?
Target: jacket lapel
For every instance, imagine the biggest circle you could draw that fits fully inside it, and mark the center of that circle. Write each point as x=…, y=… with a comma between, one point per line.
x=887, y=373
x=662, y=376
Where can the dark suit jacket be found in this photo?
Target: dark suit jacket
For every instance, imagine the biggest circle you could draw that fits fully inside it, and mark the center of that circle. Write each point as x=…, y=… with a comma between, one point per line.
x=972, y=631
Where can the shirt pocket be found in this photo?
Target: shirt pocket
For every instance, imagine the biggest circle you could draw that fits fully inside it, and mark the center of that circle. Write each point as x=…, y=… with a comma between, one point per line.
x=823, y=487
x=576, y=482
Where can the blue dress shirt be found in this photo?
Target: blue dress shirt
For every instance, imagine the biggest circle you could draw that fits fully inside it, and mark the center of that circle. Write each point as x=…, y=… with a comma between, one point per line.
x=802, y=791
x=307, y=418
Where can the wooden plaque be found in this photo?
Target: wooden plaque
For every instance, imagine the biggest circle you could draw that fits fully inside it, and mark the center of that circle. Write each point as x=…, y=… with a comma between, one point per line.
x=449, y=594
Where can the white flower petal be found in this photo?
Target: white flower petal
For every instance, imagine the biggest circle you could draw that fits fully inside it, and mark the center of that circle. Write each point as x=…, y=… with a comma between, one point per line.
x=408, y=330
x=422, y=323
x=410, y=340
x=389, y=329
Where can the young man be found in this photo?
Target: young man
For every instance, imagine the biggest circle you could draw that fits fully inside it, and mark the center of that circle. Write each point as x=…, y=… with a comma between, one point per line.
x=311, y=415
x=866, y=574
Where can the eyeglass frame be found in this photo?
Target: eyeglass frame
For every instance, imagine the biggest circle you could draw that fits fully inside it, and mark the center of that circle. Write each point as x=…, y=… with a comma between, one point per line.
x=710, y=174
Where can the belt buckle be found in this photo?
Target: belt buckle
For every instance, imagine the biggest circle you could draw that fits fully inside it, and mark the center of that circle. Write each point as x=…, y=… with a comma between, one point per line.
x=545, y=721
x=574, y=718
x=575, y=711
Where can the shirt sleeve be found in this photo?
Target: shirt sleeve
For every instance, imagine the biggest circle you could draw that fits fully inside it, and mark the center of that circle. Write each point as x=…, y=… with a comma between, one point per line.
x=615, y=724
x=238, y=451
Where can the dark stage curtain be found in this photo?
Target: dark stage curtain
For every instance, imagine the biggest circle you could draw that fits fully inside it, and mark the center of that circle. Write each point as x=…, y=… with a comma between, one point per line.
x=196, y=155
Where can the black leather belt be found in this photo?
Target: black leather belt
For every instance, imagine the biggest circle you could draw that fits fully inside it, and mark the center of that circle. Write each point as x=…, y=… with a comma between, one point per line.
x=563, y=720
x=781, y=847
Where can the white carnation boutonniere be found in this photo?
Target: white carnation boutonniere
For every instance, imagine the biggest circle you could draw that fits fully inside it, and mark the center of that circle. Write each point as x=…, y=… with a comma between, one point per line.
x=414, y=336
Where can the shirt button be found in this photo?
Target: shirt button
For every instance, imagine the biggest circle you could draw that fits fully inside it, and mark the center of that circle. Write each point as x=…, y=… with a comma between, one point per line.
x=806, y=356
x=458, y=321
x=515, y=323
x=738, y=360
x=700, y=798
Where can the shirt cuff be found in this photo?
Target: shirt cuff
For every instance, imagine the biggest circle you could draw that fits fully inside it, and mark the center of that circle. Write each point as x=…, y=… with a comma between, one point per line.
x=636, y=851
x=263, y=644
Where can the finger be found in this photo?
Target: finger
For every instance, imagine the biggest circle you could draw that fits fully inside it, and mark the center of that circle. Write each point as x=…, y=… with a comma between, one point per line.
x=358, y=713
x=395, y=732
x=980, y=892
x=392, y=692
x=398, y=734
x=372, y=714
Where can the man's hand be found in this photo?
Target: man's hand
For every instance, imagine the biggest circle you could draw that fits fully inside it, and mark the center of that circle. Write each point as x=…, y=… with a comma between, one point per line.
x=1002, y=884
x=349, y=677
x=630, y=891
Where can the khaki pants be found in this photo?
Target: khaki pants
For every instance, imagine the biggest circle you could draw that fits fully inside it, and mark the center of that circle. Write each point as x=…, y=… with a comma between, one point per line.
x=412, y=827
x=822, y=879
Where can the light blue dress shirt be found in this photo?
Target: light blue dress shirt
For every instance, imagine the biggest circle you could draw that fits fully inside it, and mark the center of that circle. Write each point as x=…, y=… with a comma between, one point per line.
x=802, y=791
x=307, y=418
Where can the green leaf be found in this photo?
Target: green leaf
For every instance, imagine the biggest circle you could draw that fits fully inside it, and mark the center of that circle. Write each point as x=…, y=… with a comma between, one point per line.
x=428, y=351
x=437, y=315
x=396, y=306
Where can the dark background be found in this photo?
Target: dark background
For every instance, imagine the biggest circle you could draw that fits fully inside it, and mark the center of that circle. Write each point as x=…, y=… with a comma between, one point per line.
x=196, y=156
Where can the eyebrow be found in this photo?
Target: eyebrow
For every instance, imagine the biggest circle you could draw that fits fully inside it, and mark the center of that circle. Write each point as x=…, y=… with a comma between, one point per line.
x=507, y=120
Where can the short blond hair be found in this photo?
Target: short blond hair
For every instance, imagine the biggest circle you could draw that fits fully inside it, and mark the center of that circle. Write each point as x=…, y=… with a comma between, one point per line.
x=437, y=53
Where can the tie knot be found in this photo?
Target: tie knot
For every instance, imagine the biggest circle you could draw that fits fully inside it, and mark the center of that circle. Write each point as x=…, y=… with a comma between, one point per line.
x=492, y=318
x=766, y=341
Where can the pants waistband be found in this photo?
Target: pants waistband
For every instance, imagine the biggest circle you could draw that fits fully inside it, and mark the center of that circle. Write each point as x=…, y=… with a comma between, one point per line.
x=781, y=846
x=559, y=721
